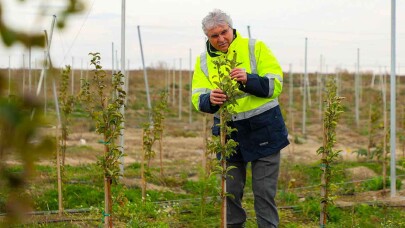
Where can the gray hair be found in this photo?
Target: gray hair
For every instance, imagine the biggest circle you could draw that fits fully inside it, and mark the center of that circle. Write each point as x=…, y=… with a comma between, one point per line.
x=215, y=18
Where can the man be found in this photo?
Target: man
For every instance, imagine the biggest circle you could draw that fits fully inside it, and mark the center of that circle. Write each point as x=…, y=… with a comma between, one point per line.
x=261, y=131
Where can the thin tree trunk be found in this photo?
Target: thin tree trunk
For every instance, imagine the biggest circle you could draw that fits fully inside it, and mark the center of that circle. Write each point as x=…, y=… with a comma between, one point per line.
x=204, y=155
x=64, y=139
x=370, y=137
x=403, y=124
x=206, y=169
x=60, y=198
x=293, y=130
x=161, y=154
x=108, y=203
x=223, y=176
x=324, y=190
x=384, y=97
x=384, y=161
x=107, y=195
x=143, y=181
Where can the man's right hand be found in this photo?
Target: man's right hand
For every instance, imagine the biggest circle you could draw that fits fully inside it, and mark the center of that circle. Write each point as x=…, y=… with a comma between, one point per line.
x=217, y=97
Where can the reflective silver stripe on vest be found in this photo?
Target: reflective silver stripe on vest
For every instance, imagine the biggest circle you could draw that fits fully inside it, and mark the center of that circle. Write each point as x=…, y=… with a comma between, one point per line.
x=203, y=63
x=246, y=115
x=271, y=78
x=271, y=87
x=253, y=64
x=201, y=90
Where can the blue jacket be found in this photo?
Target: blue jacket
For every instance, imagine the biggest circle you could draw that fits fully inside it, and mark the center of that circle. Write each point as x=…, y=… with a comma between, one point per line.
x=258, y=136
x=261, y=131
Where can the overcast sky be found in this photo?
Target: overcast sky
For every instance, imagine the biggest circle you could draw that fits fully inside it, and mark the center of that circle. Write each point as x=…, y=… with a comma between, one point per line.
x=171, y=28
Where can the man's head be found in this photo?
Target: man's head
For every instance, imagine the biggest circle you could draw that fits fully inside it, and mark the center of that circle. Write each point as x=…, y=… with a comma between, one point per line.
x=217, y=25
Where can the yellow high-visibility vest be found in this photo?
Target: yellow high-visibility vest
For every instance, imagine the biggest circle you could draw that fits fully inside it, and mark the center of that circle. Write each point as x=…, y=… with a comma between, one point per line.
x=256, y=58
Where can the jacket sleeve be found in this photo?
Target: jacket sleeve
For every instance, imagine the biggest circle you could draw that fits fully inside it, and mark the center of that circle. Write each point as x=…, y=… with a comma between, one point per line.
x=268, y=82
x=205, y=104
x=201, y=89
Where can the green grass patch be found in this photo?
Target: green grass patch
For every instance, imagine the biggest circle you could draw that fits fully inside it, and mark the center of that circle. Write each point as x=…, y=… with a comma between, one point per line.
x=376, y=184
x=74, y=196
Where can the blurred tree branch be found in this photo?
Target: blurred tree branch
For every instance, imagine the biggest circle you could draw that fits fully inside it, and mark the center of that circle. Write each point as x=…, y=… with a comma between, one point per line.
x=11, y=36
x=21, y=132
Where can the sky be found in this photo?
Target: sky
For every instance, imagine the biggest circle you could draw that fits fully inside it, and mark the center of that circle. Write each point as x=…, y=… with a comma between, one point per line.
x=170, y=32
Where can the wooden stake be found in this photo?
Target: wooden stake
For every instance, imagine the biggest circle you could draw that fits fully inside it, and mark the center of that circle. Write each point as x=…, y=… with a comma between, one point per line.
x=107, y=195
x=204, y=154
x=143, y=181
x=60, y=198
x=223, y=174
x=161, y=153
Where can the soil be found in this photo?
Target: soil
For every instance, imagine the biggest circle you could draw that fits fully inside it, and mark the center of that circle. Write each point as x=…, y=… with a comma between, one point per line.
x=185, y=152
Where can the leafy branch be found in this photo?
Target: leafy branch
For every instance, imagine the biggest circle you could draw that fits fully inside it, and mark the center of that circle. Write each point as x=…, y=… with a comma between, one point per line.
x=332, y=112
x=11, y=36
x=106, y=112
x=224, y=144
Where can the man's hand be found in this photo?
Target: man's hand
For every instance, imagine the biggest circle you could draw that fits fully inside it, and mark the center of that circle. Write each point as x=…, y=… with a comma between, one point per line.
x=239, y=74
x=217, y=97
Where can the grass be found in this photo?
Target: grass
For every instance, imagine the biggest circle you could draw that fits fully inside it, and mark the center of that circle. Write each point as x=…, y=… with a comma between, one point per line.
x=84, y=189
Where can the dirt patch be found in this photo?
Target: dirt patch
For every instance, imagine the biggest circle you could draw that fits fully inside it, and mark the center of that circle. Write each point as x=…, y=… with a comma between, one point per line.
x=136, y=182
x=360, y=173
x=378, y=198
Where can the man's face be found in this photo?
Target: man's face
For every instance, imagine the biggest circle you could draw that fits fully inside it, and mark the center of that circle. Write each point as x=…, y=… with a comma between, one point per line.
x=220, y=37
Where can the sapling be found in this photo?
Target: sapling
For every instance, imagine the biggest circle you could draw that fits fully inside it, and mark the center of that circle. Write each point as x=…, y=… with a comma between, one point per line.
x=375, y=125
x=332, y=112
x=206, y=166
x=386, y=130
x=66, y=103
x=206, y=178
x=151, y=133
x=158, y=117
x=105, y=111
x=402, y=133
x=147, y=154
x=224, y=144
x=386, y=150
x=204, y=155
x=66, y=106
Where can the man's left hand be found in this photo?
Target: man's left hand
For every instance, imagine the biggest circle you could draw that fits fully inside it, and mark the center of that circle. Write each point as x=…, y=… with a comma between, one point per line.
x=239, y=74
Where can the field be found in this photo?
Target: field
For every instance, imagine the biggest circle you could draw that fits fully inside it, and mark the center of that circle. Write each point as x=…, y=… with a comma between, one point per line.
x=180, y=195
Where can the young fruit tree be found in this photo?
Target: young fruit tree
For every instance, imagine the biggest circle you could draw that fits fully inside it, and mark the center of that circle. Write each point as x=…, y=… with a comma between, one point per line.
x=376, y=122
x=147, y=154
x=223, y=144
x=104, y=109
x=332, y=112
x=151, y=133
x=67, y=103
x=158, y=116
